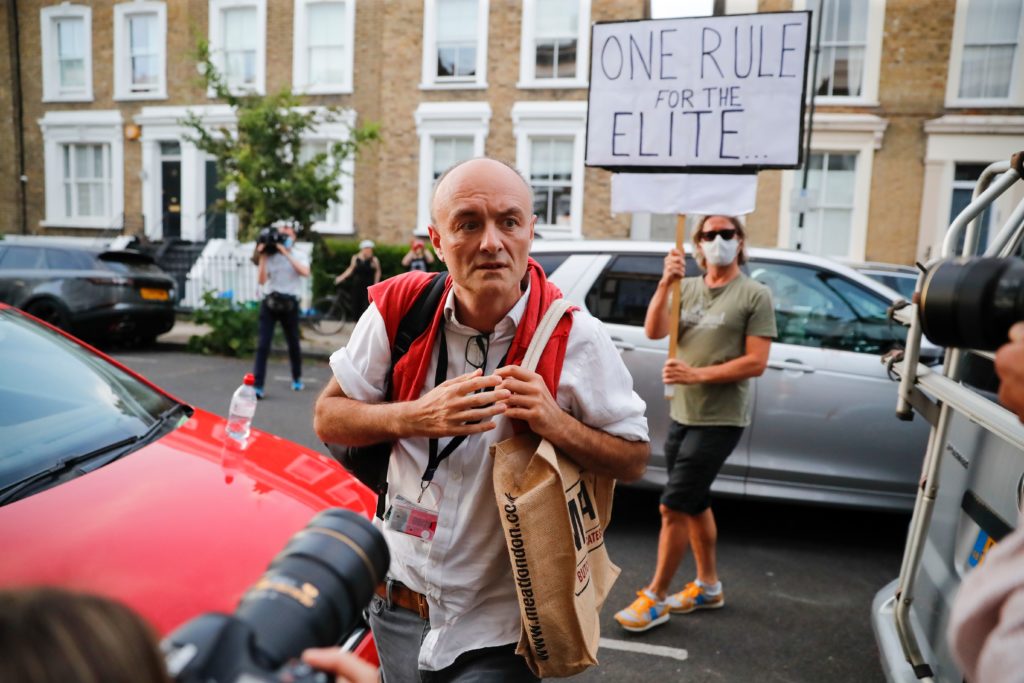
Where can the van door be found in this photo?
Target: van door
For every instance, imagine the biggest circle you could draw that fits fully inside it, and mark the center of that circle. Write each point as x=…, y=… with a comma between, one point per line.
x=823, y=427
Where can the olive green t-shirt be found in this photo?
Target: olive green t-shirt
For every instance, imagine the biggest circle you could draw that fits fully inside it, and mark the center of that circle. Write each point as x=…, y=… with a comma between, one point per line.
x=713, y=328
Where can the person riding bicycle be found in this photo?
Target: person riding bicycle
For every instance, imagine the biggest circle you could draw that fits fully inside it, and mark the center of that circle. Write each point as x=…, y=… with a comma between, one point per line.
x=366, y=269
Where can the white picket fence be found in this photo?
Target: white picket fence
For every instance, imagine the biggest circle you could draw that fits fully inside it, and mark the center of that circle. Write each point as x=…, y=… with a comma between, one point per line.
x=225, y=267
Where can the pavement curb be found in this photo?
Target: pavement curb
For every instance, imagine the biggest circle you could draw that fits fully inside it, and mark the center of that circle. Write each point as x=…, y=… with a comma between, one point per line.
x=314, y=346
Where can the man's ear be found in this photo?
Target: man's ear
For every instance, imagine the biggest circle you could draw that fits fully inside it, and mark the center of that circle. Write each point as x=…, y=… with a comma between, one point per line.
x=435, y=241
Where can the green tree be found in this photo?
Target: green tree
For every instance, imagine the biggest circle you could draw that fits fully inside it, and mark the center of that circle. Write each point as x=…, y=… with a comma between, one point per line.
x=263, y=159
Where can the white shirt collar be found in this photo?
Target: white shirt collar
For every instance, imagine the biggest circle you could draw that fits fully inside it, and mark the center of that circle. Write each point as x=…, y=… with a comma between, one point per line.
x=509, y=322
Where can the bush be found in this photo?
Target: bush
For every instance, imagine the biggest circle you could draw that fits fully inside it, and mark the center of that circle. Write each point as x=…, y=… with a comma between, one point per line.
x=331, y=257
x=233, y=327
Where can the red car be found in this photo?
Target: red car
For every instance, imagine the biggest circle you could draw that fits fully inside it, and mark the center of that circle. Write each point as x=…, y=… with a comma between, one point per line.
x=110, y=485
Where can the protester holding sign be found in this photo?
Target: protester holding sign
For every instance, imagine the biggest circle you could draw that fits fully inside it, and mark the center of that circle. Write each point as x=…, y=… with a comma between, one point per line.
x=725, y=330
x=450, y=604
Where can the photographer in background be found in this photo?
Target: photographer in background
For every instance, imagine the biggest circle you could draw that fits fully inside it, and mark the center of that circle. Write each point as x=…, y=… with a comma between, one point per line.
x=280, y=276
x=986, y=628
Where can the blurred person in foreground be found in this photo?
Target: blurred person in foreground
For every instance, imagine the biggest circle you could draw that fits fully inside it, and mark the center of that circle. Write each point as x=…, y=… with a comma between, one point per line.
x=448, y=610
x=726, y=325
x=986, y=625
x=417, y=258
x=280, y=276
x=364, y=269
x=48, y=635
x=51, y=635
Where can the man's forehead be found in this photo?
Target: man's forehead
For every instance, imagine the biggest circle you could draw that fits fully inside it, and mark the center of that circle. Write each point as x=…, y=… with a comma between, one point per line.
x=484, y=180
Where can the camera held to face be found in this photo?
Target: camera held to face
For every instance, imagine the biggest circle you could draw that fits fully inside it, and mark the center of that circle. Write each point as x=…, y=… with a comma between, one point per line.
x=972, y=302
x=312, y=595
x=270, y=237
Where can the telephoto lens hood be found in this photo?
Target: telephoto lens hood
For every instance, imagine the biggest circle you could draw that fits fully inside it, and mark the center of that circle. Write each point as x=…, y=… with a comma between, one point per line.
x=972, y=303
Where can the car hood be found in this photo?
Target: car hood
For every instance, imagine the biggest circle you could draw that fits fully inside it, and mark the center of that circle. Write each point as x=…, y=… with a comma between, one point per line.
x=178, y=528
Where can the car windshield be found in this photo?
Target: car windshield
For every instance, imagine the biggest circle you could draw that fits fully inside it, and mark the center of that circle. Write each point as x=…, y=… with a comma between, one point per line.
x=60, y=401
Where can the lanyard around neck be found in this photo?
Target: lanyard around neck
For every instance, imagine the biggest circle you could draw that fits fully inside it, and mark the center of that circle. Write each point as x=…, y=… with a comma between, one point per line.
x=435, y=458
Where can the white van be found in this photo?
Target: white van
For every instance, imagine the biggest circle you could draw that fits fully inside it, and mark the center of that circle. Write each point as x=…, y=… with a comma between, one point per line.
x=972, y=480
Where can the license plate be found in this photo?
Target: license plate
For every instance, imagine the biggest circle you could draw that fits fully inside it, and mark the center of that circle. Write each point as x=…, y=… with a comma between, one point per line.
x=154, y=294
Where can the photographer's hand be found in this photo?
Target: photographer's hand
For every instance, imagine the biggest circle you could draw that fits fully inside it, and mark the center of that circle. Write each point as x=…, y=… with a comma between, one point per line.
x=1010, y=368
x=348, y=668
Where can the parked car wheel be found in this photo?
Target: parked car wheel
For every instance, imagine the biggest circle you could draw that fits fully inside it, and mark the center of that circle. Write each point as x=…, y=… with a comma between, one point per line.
x=50, y=311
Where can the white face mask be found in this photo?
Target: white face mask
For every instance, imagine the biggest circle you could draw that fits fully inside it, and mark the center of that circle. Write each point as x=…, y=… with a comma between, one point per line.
x=721, y=252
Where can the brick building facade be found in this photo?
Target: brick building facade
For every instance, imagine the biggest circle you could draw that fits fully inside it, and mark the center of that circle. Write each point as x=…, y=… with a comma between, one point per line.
x=904, y=116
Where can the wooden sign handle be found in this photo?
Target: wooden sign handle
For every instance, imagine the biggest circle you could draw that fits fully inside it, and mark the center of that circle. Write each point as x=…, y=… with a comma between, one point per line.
x=673, y=303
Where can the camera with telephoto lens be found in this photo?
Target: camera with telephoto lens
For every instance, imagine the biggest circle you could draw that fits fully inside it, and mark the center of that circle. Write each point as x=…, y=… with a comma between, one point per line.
x=270, y=237
x=972, y=302
x=312, y=595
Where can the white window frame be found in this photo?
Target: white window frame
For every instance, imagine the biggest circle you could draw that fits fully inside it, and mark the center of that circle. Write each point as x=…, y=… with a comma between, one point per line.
x=163, y=124
x=1015, y=98
x=875, y=30
x=958, y=139
x=300, y=54
x=48, y=16
x=61, y=128
x=122, y=50
x=554, y=119
x=528, y=53
x=860, y=134
x=216, y=9
x=428, y=77
x=340, y=219
x=445, y=119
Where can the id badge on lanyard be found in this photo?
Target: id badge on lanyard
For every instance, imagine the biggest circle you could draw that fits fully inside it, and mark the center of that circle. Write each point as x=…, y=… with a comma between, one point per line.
x=410, y=518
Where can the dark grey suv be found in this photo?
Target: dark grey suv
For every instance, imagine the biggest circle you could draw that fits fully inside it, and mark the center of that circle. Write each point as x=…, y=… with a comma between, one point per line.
x=95, y=294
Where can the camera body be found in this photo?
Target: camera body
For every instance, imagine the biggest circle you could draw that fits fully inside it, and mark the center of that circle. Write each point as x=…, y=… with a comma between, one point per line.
x=270, y=237
x=219, y=647
x=312, y=595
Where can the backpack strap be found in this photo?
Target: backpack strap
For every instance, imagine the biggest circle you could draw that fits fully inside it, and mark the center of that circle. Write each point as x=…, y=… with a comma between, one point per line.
x=413, y=324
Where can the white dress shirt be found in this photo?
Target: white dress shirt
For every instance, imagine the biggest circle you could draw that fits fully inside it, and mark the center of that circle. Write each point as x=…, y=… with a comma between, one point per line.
x=465, y=570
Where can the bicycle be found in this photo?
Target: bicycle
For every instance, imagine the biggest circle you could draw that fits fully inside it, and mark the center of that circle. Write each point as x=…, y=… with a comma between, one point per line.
x=330, y=313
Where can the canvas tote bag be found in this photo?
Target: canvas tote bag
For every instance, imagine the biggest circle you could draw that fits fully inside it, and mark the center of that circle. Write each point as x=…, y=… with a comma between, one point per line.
x=554, y=516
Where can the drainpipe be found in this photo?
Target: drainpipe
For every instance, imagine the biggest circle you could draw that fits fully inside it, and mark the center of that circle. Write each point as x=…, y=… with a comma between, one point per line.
x=19, y=133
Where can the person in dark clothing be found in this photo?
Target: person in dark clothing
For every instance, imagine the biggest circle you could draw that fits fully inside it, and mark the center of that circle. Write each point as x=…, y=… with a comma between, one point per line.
x=418, y=258
x=365, y=271
x=280, y=277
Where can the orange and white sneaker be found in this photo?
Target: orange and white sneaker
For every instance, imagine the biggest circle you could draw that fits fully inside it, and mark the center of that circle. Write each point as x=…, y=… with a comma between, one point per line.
x=693, y=597
x=645, y=613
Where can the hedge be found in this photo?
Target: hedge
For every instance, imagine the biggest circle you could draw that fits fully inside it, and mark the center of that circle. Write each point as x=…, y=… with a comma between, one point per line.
x=331, y=256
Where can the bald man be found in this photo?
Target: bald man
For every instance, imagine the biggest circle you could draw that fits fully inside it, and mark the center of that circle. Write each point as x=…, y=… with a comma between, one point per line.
x=448, y=611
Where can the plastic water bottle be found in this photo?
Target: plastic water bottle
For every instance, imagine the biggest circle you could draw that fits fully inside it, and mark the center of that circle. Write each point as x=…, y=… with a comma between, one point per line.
x=243, y=407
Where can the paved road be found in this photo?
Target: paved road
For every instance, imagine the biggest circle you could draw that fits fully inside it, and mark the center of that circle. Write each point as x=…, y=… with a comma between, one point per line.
x=798, y=580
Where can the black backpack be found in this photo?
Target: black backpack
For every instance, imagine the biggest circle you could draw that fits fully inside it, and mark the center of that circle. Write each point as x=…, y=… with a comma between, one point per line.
x=369, y=464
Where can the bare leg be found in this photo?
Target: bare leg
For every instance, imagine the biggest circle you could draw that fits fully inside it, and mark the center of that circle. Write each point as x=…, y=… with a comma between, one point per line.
x=673, y=540
x=703, y=537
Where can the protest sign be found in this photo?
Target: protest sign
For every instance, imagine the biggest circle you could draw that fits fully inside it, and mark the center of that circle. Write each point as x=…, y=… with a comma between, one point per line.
x=706, y=95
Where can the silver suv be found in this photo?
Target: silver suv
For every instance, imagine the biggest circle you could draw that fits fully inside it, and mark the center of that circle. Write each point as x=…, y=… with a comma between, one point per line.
x=822, y=427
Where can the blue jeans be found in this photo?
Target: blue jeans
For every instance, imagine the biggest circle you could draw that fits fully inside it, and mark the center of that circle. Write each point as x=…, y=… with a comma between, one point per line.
x=290, y=324
x=398, y=634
